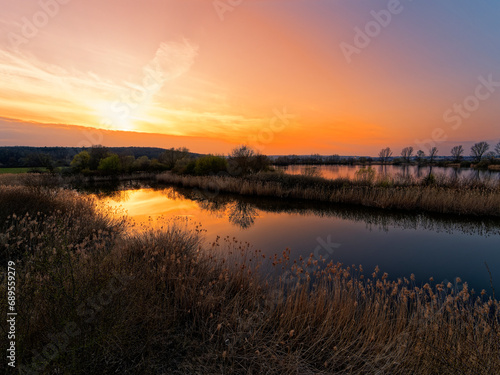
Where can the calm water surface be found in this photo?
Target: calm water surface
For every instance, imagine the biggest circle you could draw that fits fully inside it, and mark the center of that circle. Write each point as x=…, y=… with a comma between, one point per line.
x=349, y=171
x=399, y=243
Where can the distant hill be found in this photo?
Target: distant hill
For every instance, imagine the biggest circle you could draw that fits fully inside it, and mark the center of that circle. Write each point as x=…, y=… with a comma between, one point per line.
x=23, y=156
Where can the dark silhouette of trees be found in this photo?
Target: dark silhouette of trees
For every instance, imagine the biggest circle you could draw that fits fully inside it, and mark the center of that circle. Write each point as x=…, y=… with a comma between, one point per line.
x=243, y=160
x=457, y=152
x=432, y=154
x=406, y=153
x=420, y=156
x=97, y=153
x=478, y=150
x=385, y=154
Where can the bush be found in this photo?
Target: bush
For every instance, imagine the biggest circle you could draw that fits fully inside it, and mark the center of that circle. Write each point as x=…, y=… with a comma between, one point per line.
x=185, y=165
x=465, y=164
x=365, y=175
x=483, y=164
x=210, y=164
x=110, y=165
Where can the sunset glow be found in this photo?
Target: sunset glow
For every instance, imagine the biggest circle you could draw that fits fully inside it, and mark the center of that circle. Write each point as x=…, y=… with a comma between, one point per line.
x=285, y=76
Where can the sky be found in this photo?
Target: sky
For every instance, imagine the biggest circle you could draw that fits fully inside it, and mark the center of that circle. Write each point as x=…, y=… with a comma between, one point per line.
x=283, y=76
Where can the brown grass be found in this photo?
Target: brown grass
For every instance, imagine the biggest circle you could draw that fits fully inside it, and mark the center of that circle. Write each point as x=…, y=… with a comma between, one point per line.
x=447, y=196
x=156, y=302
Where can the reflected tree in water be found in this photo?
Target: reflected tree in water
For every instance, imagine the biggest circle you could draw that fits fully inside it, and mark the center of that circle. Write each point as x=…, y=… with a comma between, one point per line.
x=242, y=214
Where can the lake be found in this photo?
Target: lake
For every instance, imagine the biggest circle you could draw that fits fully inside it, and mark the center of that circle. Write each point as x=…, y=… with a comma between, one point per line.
x=399, y=243
x=349, y=171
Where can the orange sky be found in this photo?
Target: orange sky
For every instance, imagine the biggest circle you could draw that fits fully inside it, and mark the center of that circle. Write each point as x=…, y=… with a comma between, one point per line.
x=269, y=73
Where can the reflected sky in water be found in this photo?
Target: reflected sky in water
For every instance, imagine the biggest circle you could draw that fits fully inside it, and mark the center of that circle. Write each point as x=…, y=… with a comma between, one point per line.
x=399, y=243
x=349, y=171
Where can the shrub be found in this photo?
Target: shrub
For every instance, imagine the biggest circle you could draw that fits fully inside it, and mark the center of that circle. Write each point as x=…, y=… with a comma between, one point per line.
x=483, y=164
x=365, y=175
x=185, y=165
x=210, y=164
x=110, y=165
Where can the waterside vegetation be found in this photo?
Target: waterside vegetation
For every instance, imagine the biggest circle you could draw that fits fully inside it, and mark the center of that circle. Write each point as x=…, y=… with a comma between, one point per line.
x=98, y=298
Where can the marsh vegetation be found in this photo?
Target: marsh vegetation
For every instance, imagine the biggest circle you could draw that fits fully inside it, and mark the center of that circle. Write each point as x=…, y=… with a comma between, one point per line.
x=96, y=298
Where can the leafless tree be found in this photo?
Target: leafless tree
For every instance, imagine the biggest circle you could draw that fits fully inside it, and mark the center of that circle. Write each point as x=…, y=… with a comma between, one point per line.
x=432, y=154
x=478, y=150
x=420, y=156
x=385, y=154
x=457, y=152
x=497, y=149
x=406, y=153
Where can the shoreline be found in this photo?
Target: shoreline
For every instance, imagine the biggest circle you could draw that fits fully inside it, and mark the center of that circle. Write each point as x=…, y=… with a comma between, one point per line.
x=458, y=200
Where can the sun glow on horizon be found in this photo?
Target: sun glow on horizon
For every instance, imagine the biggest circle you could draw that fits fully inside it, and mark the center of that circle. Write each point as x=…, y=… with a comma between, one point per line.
x=198, y=77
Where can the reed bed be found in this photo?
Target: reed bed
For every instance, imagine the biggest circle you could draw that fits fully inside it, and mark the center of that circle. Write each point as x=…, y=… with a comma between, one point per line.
x=93, y=298
x=438, y=195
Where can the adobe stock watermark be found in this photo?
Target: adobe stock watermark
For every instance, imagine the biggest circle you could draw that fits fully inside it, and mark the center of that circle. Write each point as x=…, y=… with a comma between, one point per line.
x=31, y=26
x=459, y=112
x=223, y=6
x=265, y=135
x=372, y=29
x=60, y=341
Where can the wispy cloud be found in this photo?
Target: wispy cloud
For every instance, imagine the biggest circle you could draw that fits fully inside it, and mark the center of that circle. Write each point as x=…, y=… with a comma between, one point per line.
x=154, y=101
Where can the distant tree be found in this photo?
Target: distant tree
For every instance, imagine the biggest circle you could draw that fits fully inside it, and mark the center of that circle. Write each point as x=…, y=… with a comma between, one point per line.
x=385, y=154
x=127, y=163
x=478, y=150
x=240, y=160
x=110, y=165
x=141, y=164
x=81, y=161
x=432, y=154
x=497, y=149
x=185, y=165
x=46, y=161
x=97, y=153
x=406, y=153
x=420, y=156
x=457, y=152
x=170, y=156
x=40, y=159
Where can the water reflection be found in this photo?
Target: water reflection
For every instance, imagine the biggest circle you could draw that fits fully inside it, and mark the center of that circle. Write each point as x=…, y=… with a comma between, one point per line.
x=401, y=243
x=405, y=171
x=242, y=214
x=244, y=211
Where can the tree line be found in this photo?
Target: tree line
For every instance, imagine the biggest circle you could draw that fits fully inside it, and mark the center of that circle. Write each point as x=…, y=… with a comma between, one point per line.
x=100, y=160
x=478, y=152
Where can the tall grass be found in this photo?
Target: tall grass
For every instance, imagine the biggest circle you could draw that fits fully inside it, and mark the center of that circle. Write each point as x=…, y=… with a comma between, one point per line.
x=95, y=299
x=439, y=195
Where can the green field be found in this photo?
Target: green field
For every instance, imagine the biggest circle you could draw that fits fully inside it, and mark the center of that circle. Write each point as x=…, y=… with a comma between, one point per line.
x=17, y=170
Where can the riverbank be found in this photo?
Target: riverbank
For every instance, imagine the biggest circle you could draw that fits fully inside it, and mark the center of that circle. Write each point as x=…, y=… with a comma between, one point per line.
x=444, y=196
x=440, y=195
x=96, y=300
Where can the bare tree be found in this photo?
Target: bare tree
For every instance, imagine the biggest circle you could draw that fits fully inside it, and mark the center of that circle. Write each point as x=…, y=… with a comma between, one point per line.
x=478, y=150
x=497, y=149
x=432, y=154
x=457, y=152
x=385, y=154
x=420, y=156
x=406, y=153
